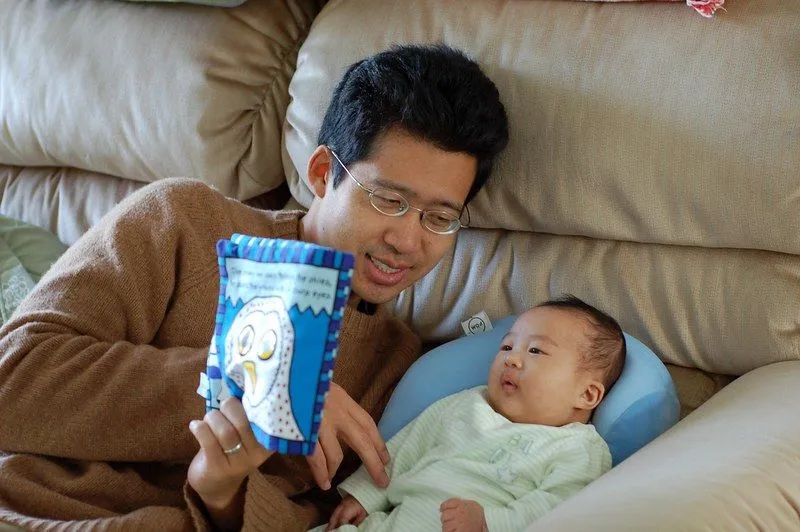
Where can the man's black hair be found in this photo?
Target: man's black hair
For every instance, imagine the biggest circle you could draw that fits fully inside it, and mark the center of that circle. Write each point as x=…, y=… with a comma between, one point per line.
x=433, y=92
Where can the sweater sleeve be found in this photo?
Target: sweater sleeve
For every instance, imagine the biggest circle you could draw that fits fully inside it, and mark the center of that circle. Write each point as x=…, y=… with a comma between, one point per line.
x=267, y=506
x=406, y=448
x=78, y=369
x=577, y=463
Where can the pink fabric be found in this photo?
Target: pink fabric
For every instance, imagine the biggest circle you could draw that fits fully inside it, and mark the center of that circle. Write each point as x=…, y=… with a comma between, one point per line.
x=704, y=7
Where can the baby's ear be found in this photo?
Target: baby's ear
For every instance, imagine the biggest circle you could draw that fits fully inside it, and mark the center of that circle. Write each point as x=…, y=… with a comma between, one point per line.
x=593, y=393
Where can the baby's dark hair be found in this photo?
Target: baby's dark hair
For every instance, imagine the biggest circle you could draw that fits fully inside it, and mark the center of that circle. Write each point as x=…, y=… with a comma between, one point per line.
x=607, y=347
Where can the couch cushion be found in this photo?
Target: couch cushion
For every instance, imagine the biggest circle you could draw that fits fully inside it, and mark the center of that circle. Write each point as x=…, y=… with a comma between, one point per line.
x=652, y=168
x=628, y=121
x=695, y=387
x=67, y=202
x=145, y=91
x=215, y=3
x=64, y=201
x=721, y=310
x=730, y=465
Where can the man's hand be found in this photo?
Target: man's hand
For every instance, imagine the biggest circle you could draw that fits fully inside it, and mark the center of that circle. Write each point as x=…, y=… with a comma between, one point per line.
x=460, y=515
x=345, y=419
x=217, y=475
x=349, y=512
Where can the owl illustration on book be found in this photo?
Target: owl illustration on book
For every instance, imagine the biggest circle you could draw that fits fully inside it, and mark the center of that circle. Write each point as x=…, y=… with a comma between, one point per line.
x=259, y=346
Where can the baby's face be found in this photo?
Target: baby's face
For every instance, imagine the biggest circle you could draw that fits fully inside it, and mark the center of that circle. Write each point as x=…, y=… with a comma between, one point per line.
x=535, y=377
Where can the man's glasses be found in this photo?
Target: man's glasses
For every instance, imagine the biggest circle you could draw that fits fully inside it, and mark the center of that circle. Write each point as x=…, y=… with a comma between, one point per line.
x=392, y=203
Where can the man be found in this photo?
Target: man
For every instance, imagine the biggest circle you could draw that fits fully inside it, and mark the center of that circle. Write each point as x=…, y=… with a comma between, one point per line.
x=100, y=364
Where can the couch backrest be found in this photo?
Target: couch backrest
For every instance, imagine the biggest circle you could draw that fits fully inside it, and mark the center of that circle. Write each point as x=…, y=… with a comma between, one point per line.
x=146, y=91
x=653, y=167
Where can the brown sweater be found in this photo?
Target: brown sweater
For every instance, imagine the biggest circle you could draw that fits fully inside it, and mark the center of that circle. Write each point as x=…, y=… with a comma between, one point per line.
x=99, y=367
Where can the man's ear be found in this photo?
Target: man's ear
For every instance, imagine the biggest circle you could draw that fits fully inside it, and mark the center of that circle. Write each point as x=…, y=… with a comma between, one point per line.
x=319, y=166
x=593, y=393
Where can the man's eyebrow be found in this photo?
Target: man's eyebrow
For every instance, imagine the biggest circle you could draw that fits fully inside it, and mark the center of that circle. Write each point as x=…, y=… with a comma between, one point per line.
x=404, y=190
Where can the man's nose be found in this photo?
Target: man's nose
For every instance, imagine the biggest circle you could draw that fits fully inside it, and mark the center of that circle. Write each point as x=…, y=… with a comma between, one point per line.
x=405, y=233
x=513, y=361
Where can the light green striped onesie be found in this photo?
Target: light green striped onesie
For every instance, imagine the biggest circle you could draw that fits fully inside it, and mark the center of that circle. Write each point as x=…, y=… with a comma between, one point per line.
x=460, y=447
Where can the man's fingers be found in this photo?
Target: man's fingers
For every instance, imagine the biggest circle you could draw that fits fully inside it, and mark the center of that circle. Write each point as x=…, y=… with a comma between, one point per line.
x=208, y=442
x=319, y=467
x=369, y=427
x=234, y=412
x=362, y=435
x=353, y=425
x=331, y=449
x=364, y=448
x=226, y=434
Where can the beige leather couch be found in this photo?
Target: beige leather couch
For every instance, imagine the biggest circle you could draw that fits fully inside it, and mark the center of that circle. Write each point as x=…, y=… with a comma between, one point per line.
x=653, y=169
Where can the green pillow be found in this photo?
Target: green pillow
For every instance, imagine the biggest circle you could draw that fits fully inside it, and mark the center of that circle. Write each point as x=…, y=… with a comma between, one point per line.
x=26, y=252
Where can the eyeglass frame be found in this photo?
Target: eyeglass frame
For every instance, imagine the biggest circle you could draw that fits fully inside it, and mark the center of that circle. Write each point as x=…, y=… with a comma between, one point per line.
x=408, y=206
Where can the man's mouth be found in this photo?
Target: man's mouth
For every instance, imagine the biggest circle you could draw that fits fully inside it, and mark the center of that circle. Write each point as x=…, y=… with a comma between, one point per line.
x=383, y=266
x=384, y=273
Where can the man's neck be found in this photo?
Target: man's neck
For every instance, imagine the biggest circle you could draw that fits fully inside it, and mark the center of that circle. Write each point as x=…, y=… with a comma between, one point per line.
x=365, y=307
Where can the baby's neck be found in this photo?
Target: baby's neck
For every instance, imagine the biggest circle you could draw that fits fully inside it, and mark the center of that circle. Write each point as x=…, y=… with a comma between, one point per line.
x=577, y=416
x=582, y=416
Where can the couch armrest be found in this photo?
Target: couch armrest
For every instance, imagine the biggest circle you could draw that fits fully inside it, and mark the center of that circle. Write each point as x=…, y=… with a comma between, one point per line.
x=145, y=91
x=733, y=464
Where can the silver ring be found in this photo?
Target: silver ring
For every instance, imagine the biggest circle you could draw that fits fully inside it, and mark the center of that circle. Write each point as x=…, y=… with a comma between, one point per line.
x=233, y=450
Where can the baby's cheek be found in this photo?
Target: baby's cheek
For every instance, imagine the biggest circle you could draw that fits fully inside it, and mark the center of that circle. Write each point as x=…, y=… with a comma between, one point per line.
x=534, y=392
x=496, y=370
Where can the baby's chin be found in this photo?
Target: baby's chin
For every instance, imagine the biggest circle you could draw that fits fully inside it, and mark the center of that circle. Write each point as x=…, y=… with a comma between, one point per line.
x=512, y=418
x=499, y=404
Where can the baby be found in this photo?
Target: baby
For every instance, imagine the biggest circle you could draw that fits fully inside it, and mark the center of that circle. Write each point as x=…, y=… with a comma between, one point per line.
x=498, y=457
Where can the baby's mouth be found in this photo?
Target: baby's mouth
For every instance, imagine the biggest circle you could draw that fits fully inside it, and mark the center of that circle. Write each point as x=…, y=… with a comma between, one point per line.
x=508, y=384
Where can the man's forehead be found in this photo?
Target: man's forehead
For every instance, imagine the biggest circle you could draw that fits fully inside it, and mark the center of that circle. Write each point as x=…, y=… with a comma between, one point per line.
x=420, y=170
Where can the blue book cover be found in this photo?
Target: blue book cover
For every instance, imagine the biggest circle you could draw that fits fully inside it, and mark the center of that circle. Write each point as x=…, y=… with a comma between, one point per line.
x=280, y=308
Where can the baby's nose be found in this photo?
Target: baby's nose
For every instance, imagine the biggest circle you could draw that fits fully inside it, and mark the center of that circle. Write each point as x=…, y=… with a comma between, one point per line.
x=513, y=361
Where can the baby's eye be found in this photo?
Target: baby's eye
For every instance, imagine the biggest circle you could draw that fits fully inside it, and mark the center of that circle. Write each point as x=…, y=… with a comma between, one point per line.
x=534, y=351
x=505, y=348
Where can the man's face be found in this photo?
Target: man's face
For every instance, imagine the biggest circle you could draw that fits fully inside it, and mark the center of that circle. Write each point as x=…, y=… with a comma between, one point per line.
x=391, y=253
